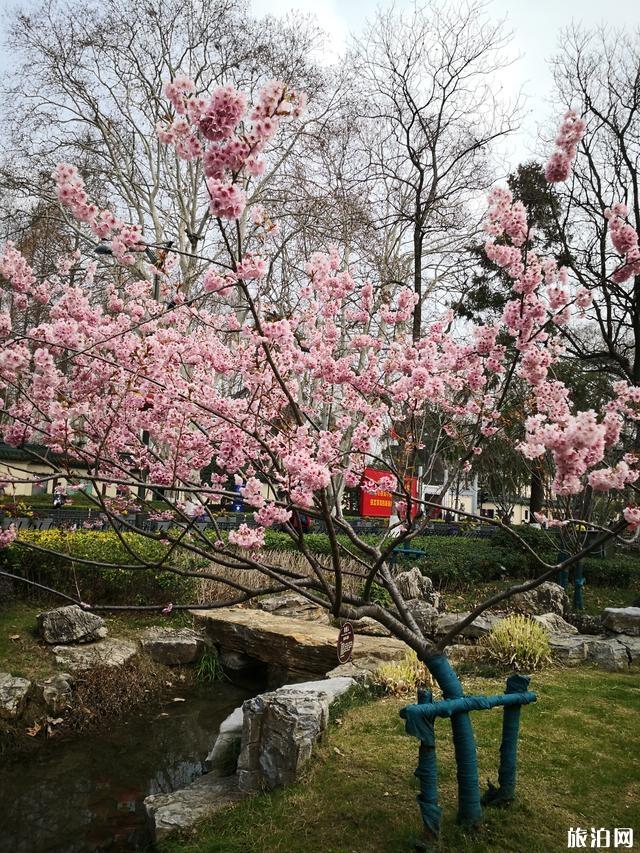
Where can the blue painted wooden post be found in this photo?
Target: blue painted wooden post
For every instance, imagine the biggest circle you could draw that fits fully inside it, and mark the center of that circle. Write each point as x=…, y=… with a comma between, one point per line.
x=427, y=773
x=506, y=790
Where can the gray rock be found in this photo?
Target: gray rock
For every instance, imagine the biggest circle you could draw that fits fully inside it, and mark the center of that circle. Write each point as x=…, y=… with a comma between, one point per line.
x=570, y=649
x=14, y=693
x=609, y=654
x=632, y=645
x=547, y=598
x=412, y=584
x=280, y=729
x=425, y=614
x=70, y=624
x=555, y=624
x=182, y=809
x=478, y=628
x=109, y=652
x=172, y=646
x=622, y=620
x=223, y=757
x=56, y=692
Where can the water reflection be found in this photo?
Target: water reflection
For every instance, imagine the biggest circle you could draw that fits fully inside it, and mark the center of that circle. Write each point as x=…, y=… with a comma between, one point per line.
x=86, y=794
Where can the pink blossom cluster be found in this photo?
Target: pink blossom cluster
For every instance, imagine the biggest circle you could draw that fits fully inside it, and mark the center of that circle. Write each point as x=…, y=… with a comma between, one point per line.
x=632, y=516
x=249, y=538
x=625, y=241
x=8, y=536
x=571, y=132
x=71, y=193
x=235, y=140
x=251, y=267
x=226, y=200
x=504, y=216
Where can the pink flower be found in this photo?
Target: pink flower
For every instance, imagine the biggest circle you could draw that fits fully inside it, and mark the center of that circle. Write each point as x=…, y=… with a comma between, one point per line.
x=8, y=536
x=246, y=537
x=632, y=516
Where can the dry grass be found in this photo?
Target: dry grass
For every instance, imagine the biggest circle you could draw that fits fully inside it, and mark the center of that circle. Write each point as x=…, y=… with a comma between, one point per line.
x=209, y=590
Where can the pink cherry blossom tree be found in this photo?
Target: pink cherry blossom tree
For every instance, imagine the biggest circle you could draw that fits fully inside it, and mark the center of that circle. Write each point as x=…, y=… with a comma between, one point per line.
x=148, y=387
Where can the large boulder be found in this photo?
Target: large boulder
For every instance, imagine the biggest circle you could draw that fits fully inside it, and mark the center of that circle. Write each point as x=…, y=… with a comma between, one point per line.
x=570, y=649
x=223, y=757
x=70, y=624
x=622, y=620
x=547, y=598
x=172, y=646
x=280, y=729
x=609, y=654
x=412, y=584
x=109, y=652
x=304, y=648
x=480, y=626
x=555, y=624
x=14, y=693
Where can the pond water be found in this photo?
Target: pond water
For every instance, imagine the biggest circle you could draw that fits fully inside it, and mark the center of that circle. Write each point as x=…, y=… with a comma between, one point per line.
x=86, y=794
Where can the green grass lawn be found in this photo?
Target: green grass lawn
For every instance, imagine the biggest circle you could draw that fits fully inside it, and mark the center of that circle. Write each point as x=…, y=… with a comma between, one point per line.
x=24, y=654
x=578, y=768
x=596, y=598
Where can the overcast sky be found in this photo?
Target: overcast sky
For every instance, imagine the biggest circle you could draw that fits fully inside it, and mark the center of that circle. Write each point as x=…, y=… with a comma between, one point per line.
x=535, y=25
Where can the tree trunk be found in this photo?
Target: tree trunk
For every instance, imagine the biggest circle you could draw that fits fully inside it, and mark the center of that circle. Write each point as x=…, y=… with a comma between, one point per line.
x=536, y=499
x=469, y=808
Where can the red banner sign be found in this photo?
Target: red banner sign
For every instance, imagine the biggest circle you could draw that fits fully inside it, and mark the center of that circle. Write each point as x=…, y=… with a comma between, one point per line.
x=380, y=503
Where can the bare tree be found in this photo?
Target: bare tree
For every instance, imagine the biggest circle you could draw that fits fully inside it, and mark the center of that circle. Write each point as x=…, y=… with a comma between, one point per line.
x=95, y=74
x=598, y=73
x=430, y=117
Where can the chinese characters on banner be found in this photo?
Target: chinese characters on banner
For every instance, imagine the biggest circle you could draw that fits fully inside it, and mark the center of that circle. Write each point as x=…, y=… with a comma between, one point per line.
x=380, y=503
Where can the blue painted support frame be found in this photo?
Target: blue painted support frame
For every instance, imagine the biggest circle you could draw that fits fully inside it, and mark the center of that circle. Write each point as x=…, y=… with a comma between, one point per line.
x=419, y=721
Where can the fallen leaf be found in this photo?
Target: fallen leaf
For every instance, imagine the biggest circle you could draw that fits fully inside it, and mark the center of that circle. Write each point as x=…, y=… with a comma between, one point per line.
x=35, y=729
x=337, y=751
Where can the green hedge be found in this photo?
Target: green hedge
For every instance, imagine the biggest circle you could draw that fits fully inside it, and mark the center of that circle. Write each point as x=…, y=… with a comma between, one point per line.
x=96, y=585
x=451, y=561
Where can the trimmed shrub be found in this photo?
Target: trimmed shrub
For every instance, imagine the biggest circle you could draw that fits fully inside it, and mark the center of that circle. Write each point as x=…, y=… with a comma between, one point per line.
x=96, y=584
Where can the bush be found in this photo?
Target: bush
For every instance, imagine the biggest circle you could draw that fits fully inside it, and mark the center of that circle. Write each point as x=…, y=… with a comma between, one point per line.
x=95, y=584
x=403, y=678
x=518, y=642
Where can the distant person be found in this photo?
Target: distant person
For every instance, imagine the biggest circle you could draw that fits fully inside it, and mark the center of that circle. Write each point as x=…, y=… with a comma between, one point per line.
x=59, y=497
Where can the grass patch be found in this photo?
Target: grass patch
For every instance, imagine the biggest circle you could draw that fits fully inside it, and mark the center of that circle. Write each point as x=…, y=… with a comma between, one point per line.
x=596, y=598
x=24, y=654
x=577, y=768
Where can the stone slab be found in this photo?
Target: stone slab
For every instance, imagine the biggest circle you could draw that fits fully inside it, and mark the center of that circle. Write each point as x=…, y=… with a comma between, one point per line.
x=296, y=645
x=183, y=808
x=109, y=652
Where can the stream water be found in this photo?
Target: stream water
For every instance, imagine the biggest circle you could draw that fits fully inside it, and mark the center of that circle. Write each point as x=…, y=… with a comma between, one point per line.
x=86, y=794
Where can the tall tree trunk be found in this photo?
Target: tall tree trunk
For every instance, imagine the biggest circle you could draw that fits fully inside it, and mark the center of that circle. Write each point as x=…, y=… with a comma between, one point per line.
x=536, y=498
